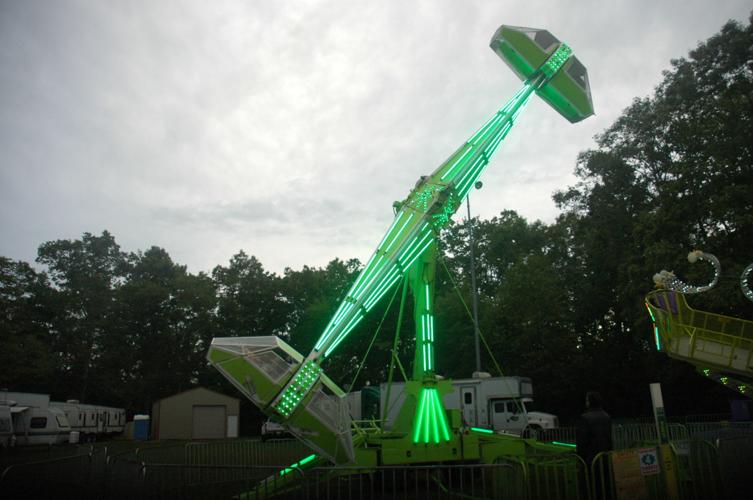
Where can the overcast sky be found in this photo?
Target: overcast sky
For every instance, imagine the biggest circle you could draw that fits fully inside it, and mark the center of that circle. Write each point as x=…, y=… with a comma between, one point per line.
x=287, y=129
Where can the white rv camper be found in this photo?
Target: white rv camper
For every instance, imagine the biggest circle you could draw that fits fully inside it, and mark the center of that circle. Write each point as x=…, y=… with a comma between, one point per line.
x=91, y=421
x=83, y=418
x=7, y=439
x=33, y=425
x=494, y=403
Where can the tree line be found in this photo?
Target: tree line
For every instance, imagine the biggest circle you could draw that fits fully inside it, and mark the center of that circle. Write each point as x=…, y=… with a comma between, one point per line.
x=560, y=302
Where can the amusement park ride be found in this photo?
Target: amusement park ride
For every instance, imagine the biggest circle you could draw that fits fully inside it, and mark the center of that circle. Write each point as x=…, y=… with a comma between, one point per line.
x=720, y=347
x=295, y=391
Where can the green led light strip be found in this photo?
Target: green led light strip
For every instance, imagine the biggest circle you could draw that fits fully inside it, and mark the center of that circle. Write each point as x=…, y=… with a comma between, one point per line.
x=300, y=463
x=458, y=162
x=430, y=420
x=342, y=335
x=397, y=236
x=302, y=382
x=427, y=341
x=410, y=234
x=657, y=337
x=377, y=296
x=482, y=431
x=556, y=60
x=569, y=445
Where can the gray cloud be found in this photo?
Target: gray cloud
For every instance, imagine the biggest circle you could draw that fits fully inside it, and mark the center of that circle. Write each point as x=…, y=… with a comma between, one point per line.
x=288, y=128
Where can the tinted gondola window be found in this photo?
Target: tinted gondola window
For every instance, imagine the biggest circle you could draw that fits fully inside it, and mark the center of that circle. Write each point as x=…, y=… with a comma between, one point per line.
x=545, y=40
x=578, y=73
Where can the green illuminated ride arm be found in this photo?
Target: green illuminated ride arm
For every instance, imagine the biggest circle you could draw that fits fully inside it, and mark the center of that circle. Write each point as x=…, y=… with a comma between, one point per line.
x=427, y=209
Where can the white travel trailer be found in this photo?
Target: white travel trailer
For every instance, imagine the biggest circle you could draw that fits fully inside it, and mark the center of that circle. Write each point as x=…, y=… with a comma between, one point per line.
x=83, y=418
x=6, y=427
x=33, y=425
x=91, y=421
x=494, y=403
x=113, y=419
x=10, y=398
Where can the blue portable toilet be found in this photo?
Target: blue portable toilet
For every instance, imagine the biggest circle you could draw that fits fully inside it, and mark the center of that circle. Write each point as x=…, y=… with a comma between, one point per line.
x=141, y=427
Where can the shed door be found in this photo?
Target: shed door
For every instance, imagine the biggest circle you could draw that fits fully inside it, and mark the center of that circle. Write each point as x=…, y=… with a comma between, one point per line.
x=208, y=422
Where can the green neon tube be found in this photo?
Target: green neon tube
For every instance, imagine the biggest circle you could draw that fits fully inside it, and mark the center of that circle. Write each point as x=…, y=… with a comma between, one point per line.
x=481, y=160
x=481, y=134
x=298, y=464
x=381, y=284
x=651, y=313
x=364, y=273
x=390, y=280
x=490, y=123
x=378, y=297
x=418, y=419
x=389, y=231
x=428, y=301
x=419, y=253
x=498, y=140
x=482, y=431
x=342, y=335
x=405, y=264
x=427, y=419
x=419, y=238
x=437, y=416
x=400, y=231
x=372, y=275
x=458, y=162
x=344, y=309
x=569, y=445
x=445, y=430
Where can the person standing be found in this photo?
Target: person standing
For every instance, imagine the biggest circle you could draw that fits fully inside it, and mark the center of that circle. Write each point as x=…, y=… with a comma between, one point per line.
x=594, y=432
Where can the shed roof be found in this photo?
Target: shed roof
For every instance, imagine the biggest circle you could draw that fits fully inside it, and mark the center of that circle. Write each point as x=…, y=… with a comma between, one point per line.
x=198, y=392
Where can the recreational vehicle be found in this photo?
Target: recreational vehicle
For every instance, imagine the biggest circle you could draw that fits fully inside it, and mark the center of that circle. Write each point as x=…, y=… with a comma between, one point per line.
x=91, y=421
x=33, y=425
x=6, y=427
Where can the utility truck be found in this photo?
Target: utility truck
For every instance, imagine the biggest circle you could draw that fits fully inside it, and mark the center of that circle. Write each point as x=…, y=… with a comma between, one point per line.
x=484, y=402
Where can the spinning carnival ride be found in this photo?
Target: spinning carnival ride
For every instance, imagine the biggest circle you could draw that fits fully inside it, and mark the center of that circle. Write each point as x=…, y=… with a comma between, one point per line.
x=295, y=391
x=720, y=347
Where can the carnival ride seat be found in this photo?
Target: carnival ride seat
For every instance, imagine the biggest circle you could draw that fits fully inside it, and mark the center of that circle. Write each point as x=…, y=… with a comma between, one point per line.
x=703, y=338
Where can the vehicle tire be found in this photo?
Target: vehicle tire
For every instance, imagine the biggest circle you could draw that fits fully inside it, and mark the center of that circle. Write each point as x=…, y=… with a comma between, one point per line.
x=531, y=431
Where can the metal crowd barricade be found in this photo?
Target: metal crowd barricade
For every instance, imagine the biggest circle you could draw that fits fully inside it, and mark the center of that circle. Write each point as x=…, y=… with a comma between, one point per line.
x=245, y=452
x=709, y=463
x=63, y=477
x=478, y=481
x=555, y=477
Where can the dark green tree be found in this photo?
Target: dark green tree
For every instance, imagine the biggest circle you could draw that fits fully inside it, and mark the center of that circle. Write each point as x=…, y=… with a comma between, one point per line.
x=25, y=357
x=86, y=274
x=674, y=173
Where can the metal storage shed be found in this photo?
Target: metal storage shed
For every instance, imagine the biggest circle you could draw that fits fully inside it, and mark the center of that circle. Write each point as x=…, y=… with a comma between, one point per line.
x=195, y=414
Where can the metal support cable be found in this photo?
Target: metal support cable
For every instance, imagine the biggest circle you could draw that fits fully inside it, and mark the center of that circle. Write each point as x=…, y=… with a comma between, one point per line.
x=470, y=314
x=373, y=338
x=385, y=411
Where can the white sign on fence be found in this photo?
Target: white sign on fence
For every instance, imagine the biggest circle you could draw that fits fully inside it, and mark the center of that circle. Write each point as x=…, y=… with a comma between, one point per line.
x=649, y=460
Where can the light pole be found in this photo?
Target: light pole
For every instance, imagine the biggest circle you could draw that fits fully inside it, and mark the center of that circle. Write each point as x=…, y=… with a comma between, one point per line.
x=474, y=289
